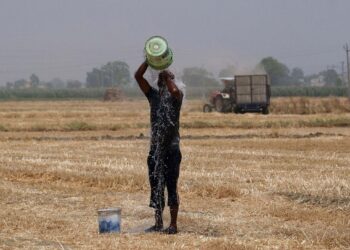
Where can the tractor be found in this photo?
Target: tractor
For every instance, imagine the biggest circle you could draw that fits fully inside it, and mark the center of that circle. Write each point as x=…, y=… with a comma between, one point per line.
x=241, y=94
x=222, y=101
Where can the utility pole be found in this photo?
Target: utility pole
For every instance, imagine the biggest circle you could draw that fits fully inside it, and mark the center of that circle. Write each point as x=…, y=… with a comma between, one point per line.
x=346, y=48
x=342, y=72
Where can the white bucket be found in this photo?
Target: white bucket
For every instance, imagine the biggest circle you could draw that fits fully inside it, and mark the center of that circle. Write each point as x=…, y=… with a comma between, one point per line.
x=109, y=220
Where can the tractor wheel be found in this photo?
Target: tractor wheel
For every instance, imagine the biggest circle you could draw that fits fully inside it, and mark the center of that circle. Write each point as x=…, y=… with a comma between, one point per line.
x=236, y=110
x=265, y=110
x=207, y=108
x=219, y=104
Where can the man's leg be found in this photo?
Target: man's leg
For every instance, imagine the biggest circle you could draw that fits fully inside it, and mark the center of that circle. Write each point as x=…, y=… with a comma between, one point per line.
x=157, y=194
x=158, y=214
x=173, y=215
x=172, y=175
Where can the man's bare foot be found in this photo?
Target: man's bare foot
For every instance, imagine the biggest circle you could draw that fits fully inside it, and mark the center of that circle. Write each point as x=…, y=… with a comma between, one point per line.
x=170, y=230
x=154, y=229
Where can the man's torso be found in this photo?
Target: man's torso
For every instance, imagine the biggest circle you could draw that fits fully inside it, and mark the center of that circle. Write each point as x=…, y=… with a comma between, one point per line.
x=165, y=115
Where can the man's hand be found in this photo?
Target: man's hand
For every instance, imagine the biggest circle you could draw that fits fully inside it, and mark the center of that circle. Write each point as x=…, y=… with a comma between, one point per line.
x=166, y=75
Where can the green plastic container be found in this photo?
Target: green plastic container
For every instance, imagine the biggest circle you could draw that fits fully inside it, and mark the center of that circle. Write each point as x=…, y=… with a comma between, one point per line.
x=158, y=54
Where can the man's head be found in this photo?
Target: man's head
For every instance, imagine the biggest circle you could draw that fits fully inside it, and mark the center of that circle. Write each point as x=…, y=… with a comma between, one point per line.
x=163, y=76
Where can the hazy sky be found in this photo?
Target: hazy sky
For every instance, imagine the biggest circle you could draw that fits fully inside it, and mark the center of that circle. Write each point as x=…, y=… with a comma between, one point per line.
x=67, y=38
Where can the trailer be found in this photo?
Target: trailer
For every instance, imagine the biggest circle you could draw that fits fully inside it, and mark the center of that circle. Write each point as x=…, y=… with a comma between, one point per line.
x=252, y=93
x=241, y=94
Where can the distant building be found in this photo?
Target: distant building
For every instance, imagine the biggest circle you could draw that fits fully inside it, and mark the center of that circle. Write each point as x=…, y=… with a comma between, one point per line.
x=318, y=81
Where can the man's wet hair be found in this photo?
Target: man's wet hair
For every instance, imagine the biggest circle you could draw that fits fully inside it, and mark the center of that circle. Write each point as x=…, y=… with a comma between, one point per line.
x=160, y=76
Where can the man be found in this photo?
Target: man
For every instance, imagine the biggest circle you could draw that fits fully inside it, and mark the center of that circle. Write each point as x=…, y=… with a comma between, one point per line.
x=164, y=156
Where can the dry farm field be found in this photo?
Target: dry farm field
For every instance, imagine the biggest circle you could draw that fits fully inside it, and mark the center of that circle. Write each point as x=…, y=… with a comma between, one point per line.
x=247, y=181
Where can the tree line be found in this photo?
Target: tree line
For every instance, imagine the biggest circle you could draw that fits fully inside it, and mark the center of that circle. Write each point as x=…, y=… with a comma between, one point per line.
x=34, y=82
x=117, y=74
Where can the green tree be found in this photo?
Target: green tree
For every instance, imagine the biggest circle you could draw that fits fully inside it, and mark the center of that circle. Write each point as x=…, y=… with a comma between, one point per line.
x=297, y=73
x=116, y=73
x=277, y=71
x=34, y=79
x=74, y=84
x=94, y=78
x=198, y=77
x=111, y=74
x=330, y=76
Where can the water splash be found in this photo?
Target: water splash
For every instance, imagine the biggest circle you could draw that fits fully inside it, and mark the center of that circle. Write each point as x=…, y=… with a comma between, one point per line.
x=162, y=128
x=163, y=136
x=153, y=80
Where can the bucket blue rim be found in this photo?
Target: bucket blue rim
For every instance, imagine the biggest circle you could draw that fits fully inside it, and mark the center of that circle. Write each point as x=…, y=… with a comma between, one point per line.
x=109, y=210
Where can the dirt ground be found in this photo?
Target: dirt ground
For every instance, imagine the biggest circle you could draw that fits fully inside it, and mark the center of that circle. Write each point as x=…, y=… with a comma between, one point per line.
x=247, y=181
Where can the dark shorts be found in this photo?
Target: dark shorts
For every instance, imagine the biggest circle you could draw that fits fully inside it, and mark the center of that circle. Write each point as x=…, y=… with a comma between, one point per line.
x=164, y=175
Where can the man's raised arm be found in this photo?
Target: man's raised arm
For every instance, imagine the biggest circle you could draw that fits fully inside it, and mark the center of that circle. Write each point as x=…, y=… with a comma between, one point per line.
x=142, y=82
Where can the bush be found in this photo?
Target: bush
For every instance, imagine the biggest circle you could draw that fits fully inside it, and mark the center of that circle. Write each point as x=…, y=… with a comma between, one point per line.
x=3, y=128
x=29, y=94
x=308, y=91
x=79, y=126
